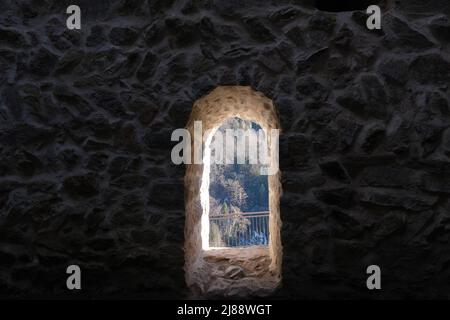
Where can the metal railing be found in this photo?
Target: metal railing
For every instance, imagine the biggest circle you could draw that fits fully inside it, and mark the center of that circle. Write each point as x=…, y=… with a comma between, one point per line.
x=239, y=230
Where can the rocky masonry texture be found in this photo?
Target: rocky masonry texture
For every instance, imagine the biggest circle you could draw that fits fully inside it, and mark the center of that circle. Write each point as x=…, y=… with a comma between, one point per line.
x=86, y=119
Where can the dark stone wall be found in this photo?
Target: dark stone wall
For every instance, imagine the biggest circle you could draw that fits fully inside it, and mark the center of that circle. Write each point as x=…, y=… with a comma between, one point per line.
x=86, y=118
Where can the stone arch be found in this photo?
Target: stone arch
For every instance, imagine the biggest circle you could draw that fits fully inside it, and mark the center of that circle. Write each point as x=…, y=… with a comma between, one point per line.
x=203, y=268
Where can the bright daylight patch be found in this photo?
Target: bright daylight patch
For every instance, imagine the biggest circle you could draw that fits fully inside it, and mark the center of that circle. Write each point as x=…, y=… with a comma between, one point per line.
x=235, y=196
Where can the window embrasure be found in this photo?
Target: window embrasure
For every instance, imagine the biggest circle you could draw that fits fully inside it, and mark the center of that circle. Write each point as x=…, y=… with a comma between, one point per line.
x=245, y=260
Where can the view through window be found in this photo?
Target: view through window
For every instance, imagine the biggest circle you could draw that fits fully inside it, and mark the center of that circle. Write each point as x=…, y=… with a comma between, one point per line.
x=238, y=194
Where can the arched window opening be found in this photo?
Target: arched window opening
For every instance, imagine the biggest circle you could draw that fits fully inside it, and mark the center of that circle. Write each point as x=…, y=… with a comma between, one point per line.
x=238, y=193
x=232, y=232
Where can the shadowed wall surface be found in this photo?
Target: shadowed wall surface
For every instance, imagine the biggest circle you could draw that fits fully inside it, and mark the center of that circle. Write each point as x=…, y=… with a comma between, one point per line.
x=86, y=118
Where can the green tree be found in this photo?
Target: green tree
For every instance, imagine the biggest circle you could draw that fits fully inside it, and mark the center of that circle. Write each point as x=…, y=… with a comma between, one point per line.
x=235, y=189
